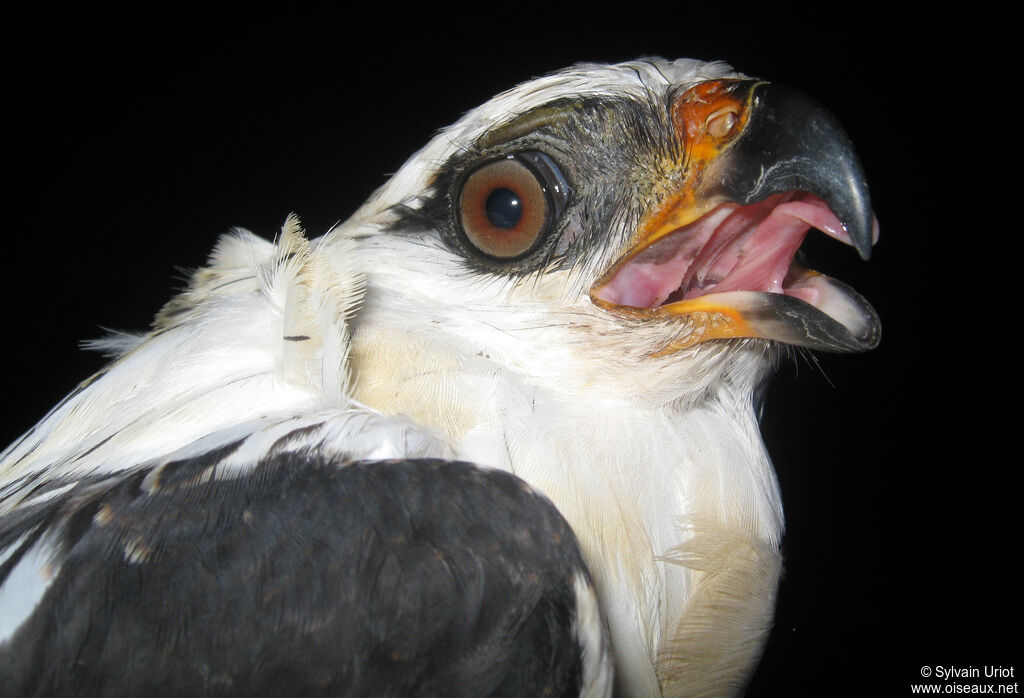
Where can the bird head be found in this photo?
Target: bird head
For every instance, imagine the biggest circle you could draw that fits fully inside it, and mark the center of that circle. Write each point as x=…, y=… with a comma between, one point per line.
x=637, y=222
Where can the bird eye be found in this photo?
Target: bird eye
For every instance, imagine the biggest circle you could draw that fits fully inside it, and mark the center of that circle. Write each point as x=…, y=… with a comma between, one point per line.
x=508, y=206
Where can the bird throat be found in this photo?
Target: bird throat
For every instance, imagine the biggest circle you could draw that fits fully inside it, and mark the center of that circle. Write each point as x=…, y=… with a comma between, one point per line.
x=395, y=372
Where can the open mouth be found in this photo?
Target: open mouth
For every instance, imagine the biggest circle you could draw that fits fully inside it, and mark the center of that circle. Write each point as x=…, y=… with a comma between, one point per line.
x=761, y=166
x=736, y=262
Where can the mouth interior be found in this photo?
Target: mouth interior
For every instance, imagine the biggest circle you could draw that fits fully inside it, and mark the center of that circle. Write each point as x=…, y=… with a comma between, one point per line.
x=732, y=248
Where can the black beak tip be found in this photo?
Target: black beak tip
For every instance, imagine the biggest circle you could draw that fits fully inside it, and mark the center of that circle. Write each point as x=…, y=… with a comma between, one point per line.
x=794, y=143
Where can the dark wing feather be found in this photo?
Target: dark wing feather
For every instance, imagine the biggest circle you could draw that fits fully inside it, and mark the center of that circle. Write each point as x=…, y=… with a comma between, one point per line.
x=303, y=576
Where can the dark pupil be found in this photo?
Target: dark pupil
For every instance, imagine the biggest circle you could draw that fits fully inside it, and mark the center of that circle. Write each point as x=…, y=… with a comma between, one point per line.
x=504, y=208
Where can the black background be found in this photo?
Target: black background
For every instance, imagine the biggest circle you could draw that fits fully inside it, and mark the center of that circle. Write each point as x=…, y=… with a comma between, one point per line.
x=133, y=142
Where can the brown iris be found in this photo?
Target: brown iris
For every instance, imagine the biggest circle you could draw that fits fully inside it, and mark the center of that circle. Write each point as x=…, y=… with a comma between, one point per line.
x=505, y=210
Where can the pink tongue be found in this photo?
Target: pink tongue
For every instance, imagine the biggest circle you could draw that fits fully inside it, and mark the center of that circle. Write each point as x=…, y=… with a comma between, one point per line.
x=750, y=255
x=747, y=248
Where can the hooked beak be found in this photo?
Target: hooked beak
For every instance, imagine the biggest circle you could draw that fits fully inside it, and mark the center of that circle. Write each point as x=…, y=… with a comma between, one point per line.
x=761, y=165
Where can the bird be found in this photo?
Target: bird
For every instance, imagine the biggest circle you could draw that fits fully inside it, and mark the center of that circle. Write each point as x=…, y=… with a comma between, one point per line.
x=497, y=433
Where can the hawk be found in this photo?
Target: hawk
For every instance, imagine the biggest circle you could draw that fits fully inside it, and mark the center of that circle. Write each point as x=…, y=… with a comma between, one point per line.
x=495, y=434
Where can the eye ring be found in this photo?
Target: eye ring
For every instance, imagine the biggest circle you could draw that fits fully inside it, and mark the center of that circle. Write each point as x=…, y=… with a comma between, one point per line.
x=508, y=206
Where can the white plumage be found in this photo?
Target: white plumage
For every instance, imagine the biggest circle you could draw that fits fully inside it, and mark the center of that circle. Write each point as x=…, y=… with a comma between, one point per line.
x=368, y=344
